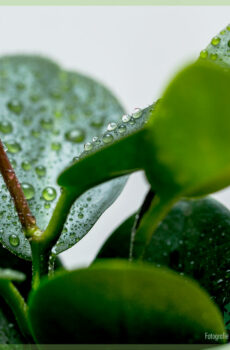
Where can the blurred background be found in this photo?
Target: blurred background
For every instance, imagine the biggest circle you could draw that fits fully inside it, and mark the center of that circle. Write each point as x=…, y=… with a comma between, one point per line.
x=134, y=51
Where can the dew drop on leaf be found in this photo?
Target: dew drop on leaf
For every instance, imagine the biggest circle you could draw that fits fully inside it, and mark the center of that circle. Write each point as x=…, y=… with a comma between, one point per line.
x=28, y=190
x=14, y=240
x=126, y=118
x=6, y=127
x=13, y=146
x=215, y=41
x=40, y=170
x=76, y=135
x=49, y=194
x=122, y=129
x=107, y=138
x=47, y=123
x=55, y=146
x=15, y=106
x=111, y=126
x=88, y=146
x=26, y=165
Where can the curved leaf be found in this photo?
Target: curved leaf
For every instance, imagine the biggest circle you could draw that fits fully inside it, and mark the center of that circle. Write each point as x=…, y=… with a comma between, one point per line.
x=119, y=302
x=47, y=114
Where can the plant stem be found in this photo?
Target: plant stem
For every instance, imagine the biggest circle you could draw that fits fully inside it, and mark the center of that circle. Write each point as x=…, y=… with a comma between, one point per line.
x=18, y=305
x=42, y=243
x=26, y=218
x=148, y=225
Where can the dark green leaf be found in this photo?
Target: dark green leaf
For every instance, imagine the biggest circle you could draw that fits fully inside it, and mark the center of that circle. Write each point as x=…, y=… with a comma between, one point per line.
x=47, y=115
x=119, y=302
x=194, y=239
x=9, y=333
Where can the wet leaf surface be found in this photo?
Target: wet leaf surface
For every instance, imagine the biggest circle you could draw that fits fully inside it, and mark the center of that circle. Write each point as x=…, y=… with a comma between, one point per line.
x=47, y=115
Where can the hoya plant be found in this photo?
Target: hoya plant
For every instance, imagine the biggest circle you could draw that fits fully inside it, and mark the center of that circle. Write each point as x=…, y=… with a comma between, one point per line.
x=66, y=151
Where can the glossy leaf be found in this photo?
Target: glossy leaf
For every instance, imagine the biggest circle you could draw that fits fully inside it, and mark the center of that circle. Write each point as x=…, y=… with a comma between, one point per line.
x=47, y=115
x=119, y=302
x=193, y=239
x=183, y=148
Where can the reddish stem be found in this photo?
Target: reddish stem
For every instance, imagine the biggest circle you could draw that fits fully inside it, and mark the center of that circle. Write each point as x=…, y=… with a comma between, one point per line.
x=26, y=218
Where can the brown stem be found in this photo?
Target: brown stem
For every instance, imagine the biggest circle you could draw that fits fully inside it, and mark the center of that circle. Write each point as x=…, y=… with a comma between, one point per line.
x=26, y=218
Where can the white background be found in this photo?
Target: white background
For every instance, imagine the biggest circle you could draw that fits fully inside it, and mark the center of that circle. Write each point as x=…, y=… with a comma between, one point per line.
x=133, y=50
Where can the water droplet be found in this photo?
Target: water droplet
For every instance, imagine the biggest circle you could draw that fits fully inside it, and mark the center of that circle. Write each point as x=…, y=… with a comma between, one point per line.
x=213, y=56
x=14, y=240
x=28, y=190
x=111, y=126
x=122, y=129
x=27, y=121
x=13, y=146
x=47, y=123
x=132, y=121
x=49, y=194
x=88, y=146
x=96, y=140
x=40, y=170
x=15, y=106
x=80, y=216
x=107, y=138
x=228, y=27
x=126, y=118
x=35, y=133
x=97, y=123
x=204, y=54
x=47, y=205
x=6, y=127
x=26, y=165
x=35, y=98
x=75, y=135
x=58, y=114
x=215, y=41
x=56, y=146
x=137, y=113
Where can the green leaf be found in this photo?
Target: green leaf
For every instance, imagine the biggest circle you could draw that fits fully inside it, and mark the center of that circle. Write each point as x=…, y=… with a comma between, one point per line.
x=47, y=115
x=182, y=148
x=193, y=236
x=119, y=302
x=9, y=333
x=194, y=239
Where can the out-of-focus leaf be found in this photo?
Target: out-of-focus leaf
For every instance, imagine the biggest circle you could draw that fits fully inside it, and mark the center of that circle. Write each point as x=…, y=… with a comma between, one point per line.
x=120, y=302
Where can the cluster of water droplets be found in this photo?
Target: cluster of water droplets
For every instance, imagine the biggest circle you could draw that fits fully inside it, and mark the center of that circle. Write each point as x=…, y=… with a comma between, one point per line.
x=115, y=130
x=219, y=48
x=47, y=115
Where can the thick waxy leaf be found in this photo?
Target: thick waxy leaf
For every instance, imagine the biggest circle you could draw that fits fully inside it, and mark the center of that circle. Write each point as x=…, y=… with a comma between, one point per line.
x=193, y=239
x=47, y=115
x=183, y=148
x=119, y=302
